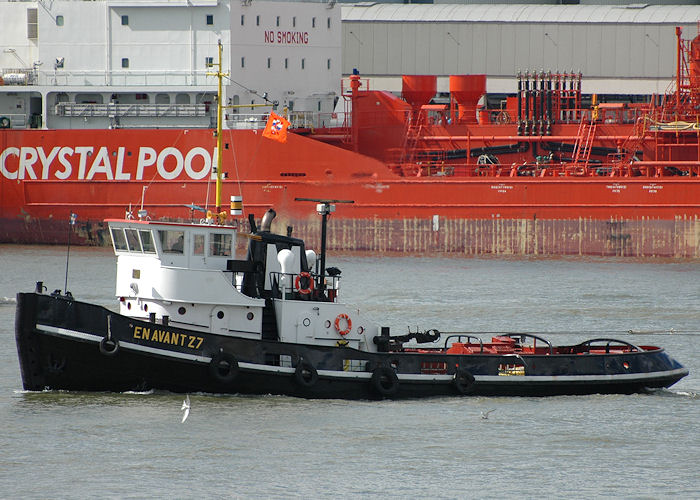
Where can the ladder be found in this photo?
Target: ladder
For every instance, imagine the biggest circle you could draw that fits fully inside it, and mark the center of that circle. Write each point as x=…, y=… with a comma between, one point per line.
x=413, y=133
x=634, y=142
x=584, y=143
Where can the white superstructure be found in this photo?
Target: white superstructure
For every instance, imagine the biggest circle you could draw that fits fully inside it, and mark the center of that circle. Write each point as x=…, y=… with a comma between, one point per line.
x=143, y=63
x=188, y=276
x=131, y=63
x=289, y=51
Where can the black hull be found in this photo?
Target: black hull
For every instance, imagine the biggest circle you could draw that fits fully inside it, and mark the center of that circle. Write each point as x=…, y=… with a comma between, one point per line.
x=61, y=345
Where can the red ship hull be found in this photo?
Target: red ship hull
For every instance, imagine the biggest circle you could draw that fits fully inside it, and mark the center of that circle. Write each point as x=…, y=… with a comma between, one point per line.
x=542, y=172
x=98, y=174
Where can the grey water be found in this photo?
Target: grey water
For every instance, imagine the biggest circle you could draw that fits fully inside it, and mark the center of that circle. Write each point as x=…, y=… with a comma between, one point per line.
x=133, y=445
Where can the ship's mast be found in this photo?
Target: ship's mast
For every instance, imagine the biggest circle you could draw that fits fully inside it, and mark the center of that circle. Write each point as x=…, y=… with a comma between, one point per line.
x=324, y=209
x=219, y=74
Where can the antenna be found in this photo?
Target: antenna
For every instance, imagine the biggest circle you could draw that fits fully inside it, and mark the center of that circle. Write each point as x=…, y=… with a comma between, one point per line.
x=71, y=223
x=324, y=209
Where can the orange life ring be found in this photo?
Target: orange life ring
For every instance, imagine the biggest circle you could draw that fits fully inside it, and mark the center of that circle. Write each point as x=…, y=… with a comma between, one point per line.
x=297, y=283
x=337, y=324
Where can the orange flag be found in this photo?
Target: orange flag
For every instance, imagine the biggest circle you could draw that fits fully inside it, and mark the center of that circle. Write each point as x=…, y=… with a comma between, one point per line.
x=276, y=128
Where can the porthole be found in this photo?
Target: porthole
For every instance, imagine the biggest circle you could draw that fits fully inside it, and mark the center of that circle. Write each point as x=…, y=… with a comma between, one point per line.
x=128, y=305
x=145, y=307
x=328, y=323
x=306, y=322
x=361, y=330
x=250, y=316
x=181, y=310
x=220, y=315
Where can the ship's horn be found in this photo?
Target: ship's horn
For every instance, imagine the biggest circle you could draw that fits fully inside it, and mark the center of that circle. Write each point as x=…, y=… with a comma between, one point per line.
x=267, y=219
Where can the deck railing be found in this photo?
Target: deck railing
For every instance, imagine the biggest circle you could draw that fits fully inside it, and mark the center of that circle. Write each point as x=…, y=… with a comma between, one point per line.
x=86, y=78
x=116, y=110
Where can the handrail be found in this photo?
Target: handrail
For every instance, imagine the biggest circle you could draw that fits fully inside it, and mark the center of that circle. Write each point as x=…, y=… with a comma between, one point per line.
x=530, y=335
x=459, y=338
x=285, y=281
x=134, y=109
x=610, y=341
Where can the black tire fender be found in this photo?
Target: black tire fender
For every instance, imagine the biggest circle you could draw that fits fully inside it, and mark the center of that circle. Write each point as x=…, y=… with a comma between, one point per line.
x=463, y=381
x=305, y=374
x=109, y=347
x=224, y=367
x=384, y=381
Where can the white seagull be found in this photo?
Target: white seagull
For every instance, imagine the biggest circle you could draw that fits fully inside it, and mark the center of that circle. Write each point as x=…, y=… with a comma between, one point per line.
x=485, y=414
x=186, y=408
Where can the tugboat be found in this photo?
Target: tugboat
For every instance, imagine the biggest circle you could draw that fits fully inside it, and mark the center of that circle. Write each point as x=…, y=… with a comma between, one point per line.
x=195, y=318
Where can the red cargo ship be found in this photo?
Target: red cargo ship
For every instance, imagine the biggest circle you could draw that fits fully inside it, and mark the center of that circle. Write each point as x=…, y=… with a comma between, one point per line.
x=540, y=175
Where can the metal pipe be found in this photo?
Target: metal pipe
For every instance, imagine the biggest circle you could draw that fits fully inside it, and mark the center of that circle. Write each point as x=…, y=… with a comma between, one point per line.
x=267, y=219
x=578, y=91
x=535, y=107
x=679, y=49
x=558, y=96
x=542, y=98
x=549, y=103
x=355, y=117
x=324, y=224
x=527, y=102
x=512, y=138
x=520, y=103
x=667, y=163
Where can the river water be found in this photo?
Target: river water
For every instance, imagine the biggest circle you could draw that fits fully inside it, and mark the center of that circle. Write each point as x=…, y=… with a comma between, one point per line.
x=77, y=445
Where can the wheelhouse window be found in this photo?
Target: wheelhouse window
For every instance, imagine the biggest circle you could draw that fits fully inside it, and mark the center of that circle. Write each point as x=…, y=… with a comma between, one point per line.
x=118, y=239
x=198, y=245
x=147, y=242
x=132, y=240
x=220, y=245
x=172, y=241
